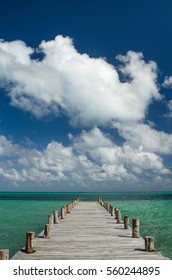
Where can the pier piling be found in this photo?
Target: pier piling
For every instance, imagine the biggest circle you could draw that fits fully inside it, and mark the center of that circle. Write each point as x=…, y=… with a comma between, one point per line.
x=126, y=222
x=63, y=213
x=51, y=219
x=47, y=231
x=55, y=216
x=135, y=228
x=29, y=248
x=149, y=244
x=4, y=254
x=118, y=216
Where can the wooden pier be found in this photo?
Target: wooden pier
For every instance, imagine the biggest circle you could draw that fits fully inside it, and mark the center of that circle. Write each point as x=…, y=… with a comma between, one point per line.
x=89, y=232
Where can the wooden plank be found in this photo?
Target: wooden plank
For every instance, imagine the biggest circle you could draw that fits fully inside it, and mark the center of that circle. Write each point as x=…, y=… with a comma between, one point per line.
x=89, y=232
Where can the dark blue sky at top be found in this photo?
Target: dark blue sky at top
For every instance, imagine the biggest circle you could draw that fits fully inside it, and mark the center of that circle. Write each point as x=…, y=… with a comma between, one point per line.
x=98, y=28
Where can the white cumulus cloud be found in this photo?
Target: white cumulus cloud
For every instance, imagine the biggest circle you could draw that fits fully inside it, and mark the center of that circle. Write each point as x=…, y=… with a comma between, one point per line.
x=88, y=90
x=91, y=157
x=144, y=137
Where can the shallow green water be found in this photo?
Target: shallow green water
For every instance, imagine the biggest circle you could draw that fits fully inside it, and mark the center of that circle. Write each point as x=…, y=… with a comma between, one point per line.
x=21, y=212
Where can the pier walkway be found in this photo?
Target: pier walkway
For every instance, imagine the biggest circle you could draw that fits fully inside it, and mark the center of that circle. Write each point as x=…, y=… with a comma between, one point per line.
x=89, y=232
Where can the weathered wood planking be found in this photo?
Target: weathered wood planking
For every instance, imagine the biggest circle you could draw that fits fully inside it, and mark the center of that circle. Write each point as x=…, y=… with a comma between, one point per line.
x=89, y=232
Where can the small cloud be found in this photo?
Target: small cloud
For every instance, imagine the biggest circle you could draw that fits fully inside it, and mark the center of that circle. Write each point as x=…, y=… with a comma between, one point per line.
x=27, y=142
x=70, y=136
x=167, y=82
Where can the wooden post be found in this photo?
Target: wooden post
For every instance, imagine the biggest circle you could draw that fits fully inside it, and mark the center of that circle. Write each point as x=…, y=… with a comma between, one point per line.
x=62, y=213
x=64, y=209
x=101, y=202
x=118, y=216
x=126, y=222
x=149, y=244
x=4, y=254
x=135, y=228
x=116, y=210
x=47, y=231
x=55, y=213
x=110, y=207
x=112, y=210
x=68, y=208
x=105, y=205
x=51, y=219
x=29, y=248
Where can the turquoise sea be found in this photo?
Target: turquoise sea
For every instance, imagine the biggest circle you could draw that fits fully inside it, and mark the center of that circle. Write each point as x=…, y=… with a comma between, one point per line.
x=21, y=212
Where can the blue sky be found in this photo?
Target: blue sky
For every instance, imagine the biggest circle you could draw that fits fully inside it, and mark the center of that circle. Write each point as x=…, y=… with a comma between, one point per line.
x=85, y=95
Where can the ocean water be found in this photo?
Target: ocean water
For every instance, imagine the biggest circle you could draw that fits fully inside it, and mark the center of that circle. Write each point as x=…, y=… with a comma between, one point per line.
x=21, y=212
